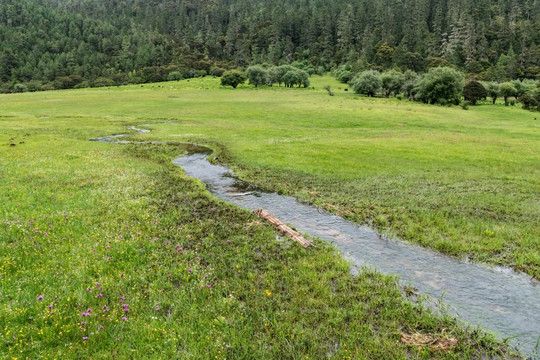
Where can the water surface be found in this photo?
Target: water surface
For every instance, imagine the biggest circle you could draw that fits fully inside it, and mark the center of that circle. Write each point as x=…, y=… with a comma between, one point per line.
x=499, y=299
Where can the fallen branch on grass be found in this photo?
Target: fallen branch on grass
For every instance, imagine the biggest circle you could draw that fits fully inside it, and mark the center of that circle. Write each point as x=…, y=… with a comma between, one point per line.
x=284, y=229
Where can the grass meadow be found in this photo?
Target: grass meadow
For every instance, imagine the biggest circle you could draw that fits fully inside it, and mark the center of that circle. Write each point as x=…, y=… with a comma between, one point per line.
x=110, y=251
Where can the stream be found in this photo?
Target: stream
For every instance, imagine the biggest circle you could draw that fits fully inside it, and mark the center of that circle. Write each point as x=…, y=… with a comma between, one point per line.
x=496, y=298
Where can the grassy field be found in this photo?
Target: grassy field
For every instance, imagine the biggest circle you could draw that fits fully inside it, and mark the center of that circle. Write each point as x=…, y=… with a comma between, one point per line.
x=110, y=251
x=465, y=183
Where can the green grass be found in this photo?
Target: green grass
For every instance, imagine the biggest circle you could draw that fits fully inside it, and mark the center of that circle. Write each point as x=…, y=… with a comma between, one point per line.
x=75, y=213
x=465, y=183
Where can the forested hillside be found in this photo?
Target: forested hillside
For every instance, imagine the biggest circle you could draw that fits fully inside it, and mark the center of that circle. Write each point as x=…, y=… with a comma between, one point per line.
x=70, y=43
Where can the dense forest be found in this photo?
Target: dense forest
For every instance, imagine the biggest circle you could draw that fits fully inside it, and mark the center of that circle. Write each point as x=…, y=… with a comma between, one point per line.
x=77, y=43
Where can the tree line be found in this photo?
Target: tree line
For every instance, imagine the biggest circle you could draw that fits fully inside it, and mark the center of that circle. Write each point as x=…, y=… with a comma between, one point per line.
x=440, y=85
x=77, y=43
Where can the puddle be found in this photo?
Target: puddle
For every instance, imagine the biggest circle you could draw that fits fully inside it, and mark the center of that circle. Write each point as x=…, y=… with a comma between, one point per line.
x=497, y=299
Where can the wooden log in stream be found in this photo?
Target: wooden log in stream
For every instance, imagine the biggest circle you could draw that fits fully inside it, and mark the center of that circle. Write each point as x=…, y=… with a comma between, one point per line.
x=281, y=227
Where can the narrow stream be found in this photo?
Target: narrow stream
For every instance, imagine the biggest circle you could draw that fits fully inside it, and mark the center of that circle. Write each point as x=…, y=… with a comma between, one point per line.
x=498, y=299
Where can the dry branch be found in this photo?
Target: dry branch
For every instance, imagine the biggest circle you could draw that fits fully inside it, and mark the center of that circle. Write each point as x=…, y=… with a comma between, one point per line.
x=281, y=227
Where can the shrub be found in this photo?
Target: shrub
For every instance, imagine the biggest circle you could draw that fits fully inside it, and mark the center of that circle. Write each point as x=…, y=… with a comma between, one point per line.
x=296, y=77
x=392, y=82
x=273, y=76
x=291, y=78
x=304, y=65
x=216, y=71
x=282, y=70
x=175, y=76
x=522, y=86
x=474, y=91
x=102, y=81
x=233, y=78
x=34, y=85
x=304, y=78
x=492, y=90
x=441, y=84
x=20, y=88
x=409, y=84
x=507, y=90
x=257, y=75
x=367, y=83
x=82, y=85
x=344, y=74
x=528, y=101
x=328, y=90
x=67, y=82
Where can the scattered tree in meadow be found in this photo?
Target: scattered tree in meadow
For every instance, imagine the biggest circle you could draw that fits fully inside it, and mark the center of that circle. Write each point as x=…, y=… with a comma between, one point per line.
x=528, y=101
x=257, y=75
x=367, y=83
x=440, y=85
x=273, y=76
x=531, y=99
x=507, y=90
x=392, y=82
x=233, y=78
x=409, y=84
x=492, y=91
x=474, y=91
x=296, y=77
x=344, y=74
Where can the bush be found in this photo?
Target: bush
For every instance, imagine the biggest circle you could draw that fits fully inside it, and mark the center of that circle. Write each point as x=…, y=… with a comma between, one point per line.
x=175, y=76
x=233, y=78
x=102, y=81
x=522, y=87
x=474, y=91
x=20, y=88
x=441, y=84
x=304, y=65
x=216, y=71
x=328, y=90
x=82, y=85
x=67, y=82
x=507, y=90
x=33, y=85
x=410, y=78
x=367, y=83
x=492, y=90
x=465, y=105
x=392, y=82
x=528, y=101
x=296, y=77
x=344, y=74
x=291, y=78
x=257, y=75
x=304, y=78
x=273, y=76
x=282, y=70
x=153, y=74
